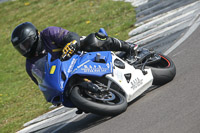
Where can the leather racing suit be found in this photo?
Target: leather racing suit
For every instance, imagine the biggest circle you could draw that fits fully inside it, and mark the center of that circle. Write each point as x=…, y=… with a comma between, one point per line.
x=54, y=39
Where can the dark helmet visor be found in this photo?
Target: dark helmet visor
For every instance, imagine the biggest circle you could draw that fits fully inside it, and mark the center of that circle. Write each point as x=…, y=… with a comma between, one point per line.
x=25, y=46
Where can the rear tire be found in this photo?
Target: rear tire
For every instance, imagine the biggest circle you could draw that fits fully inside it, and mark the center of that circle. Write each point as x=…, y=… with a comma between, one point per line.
x=88, y=104
x=163, y=71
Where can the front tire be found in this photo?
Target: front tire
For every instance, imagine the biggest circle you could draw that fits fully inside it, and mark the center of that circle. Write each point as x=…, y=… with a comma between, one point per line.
x=81, y=99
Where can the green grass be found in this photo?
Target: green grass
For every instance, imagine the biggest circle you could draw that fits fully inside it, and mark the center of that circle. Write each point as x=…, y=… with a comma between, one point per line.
x=20, y=99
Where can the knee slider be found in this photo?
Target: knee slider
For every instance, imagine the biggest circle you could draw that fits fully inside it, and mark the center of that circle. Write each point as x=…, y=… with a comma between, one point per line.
x=100, y=36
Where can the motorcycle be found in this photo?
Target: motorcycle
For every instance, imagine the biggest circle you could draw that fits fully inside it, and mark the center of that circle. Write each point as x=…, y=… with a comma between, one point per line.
x=101, y=82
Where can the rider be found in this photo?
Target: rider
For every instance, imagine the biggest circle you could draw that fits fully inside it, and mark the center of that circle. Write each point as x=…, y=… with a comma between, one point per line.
x=34, y=45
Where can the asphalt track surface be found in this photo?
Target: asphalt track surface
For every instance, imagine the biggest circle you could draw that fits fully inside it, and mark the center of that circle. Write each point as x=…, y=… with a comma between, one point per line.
x=172, y=108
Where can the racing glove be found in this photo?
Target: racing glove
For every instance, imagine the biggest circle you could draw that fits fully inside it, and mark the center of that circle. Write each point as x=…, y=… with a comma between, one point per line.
x=69, y=50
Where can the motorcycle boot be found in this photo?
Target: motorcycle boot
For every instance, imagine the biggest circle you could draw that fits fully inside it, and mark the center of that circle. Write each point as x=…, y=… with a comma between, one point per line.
x=119, y=45
x=133, y=53
x=131, y=49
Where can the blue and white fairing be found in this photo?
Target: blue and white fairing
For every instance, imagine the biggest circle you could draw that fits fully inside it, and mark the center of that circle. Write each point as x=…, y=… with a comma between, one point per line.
x=53, y=76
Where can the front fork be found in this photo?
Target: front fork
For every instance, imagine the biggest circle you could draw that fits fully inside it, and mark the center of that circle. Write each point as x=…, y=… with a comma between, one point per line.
x=97, y=87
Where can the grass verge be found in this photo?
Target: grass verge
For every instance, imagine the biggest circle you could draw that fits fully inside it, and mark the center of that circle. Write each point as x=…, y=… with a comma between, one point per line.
x=20, y=99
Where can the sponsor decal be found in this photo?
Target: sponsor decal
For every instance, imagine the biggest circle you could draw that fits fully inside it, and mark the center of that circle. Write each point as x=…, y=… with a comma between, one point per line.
x=71, y=65
x=83, y=63
x=95, y=68
x=136, y=83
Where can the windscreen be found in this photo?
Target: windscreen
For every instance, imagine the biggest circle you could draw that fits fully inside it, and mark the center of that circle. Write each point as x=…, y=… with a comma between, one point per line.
x=38, y=69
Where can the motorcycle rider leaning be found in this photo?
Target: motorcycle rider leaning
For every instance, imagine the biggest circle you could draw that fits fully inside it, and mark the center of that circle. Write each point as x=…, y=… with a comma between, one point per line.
x=33, y=44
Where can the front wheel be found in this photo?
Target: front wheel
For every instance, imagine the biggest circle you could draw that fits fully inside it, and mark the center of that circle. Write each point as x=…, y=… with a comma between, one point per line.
x=163, y=71
x=109, y=103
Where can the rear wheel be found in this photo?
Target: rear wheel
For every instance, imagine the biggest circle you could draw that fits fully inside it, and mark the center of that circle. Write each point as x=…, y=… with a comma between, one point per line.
x=163, y=71
x=108, y=103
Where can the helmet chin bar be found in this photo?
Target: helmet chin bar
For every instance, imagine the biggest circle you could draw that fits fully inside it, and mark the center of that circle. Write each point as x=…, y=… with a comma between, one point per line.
x=40, y=46
x=37, y=49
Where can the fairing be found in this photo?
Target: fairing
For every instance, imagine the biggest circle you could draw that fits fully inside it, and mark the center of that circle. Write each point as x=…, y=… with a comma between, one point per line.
x=49, y=73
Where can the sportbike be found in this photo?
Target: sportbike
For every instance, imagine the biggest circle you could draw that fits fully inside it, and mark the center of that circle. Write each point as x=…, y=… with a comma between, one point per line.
x=101, y=82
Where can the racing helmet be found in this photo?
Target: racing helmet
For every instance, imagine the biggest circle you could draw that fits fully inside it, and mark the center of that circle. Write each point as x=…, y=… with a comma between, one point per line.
x=24, y=38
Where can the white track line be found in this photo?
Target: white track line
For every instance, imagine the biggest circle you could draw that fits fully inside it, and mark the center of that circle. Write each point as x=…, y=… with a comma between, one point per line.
x=187, y=34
